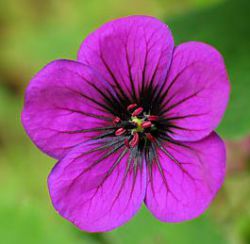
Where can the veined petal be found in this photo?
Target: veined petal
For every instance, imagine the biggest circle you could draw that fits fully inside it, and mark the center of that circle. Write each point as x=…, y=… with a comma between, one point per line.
x=132, y=53
x=64, y=107
x=185, y=178
x=97, y=186
x=196, y=92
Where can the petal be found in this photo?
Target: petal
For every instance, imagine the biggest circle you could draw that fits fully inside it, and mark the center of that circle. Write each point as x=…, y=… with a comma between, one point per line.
x=63, y=107
x=98, y=187
x=185, y=178
x=196, y=92
x=130, y=53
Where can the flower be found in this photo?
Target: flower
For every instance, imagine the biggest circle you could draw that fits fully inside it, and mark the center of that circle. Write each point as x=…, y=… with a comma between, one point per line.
x=131, y=121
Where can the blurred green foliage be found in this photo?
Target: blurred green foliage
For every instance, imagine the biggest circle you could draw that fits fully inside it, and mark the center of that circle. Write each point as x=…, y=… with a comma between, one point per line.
x=226, y=27
x=34, y=32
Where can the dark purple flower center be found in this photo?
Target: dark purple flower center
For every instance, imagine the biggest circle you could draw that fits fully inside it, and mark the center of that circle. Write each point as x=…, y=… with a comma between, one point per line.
x=138, y=122
x=140, y=125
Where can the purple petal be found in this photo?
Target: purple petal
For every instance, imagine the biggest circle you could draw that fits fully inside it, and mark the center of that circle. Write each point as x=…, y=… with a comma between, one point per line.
x=185, y=178
x=98, y=189
x=197, y=91
x=130, y=53
x=59, y=111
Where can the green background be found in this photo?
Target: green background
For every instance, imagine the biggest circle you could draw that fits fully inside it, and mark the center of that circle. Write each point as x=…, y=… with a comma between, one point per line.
x=34, y=32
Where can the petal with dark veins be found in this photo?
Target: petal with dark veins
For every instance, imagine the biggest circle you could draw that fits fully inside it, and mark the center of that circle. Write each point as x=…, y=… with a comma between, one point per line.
x=98, y=189
x=131, y=53
x=185, y=178
x=64, y=107
x=196, y=92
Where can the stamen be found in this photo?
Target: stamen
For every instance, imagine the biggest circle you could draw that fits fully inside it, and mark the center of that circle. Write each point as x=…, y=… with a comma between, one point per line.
x=135, y=140
x=116, y=120
x=137, y=127
x=126, y=142
x=120, y=131
x=146, y=124
x=137, y=111
x=153, y=117
x=131, y=106
x=150, y=137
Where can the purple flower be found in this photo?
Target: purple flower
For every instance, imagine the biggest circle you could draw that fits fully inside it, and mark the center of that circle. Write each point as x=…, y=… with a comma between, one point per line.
x=131, y=121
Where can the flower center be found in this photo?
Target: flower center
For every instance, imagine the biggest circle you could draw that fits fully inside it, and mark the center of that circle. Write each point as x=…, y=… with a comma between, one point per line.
x=138, y=123
x=138, y=128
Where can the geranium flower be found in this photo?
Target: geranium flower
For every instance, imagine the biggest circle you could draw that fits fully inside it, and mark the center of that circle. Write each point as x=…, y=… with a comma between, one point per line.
x=131, y=121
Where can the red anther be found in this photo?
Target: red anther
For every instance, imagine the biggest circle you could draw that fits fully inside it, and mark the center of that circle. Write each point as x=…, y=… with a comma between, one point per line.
x=126, y=142
x=137, y=111
x=150, y=137
x=153, y=117
x=135, y=140
x=146, y=124
x=116, y=120
x=120, y=131
x=131, y=106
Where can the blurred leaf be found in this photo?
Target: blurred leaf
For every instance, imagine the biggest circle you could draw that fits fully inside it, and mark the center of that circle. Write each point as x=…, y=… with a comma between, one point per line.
x=26, y=213
x=145, y=229
x=226, y=27
x=233, y=211
x=26, y=222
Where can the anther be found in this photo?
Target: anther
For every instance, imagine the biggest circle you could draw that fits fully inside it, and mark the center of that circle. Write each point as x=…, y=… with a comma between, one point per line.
x=150, y=137
x=131, y=106
x=126, y=142
x=146, y=124
x=135, y=140
x=137, y=111
x=120, y=131
x=153, y=117
x=116, y=120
